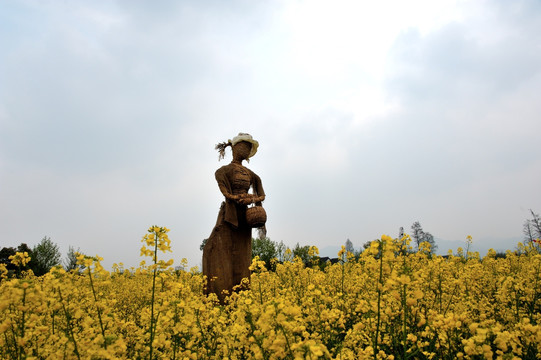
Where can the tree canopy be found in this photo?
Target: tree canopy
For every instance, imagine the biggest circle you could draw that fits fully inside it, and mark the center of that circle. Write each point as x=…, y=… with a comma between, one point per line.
x=45, y=255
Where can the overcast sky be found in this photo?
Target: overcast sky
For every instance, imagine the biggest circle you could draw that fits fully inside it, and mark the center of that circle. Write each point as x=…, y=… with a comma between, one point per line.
x=370, y=115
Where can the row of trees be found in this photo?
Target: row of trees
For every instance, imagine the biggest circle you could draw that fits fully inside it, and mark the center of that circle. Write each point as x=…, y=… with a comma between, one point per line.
x=271, y=251
x=43, y=257
x=46, y=253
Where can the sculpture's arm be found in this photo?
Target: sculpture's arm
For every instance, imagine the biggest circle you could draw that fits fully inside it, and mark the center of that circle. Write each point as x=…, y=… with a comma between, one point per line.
x=227, y=194
x=258, y=190
x=243, y=199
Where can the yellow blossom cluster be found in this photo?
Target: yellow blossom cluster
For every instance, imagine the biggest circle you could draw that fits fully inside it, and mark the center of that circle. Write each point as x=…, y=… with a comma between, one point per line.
x=20, y=259
x=388, y=303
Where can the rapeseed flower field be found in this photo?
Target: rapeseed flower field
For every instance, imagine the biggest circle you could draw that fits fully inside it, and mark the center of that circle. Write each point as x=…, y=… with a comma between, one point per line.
x=389, y=303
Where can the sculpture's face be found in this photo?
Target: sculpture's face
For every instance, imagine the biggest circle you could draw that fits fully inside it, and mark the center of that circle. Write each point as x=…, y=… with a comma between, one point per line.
x=242, y=150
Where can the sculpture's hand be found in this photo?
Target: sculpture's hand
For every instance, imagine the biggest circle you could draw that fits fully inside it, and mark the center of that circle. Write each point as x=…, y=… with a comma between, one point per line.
x=248, y=199
x=242, y=199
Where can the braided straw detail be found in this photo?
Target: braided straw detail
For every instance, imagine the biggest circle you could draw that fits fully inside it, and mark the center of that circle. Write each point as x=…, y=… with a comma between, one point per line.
x=221, y=148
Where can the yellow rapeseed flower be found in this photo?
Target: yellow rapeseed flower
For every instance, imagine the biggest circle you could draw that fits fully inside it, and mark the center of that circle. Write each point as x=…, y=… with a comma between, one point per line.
x=20, y=259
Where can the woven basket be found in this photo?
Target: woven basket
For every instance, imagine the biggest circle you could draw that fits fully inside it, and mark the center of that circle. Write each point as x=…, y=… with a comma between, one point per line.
x=256, y=216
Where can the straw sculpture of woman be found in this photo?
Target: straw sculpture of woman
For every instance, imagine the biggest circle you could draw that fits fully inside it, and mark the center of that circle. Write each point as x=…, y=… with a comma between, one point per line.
x=227, y=253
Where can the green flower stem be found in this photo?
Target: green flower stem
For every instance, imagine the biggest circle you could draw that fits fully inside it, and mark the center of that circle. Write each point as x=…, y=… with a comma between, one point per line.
x=152, y=325
x=70, y=326
x=379, y=286
x=97, y=307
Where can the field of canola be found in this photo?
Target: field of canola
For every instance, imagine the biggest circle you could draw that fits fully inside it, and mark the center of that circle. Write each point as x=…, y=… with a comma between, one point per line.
x=387, y=304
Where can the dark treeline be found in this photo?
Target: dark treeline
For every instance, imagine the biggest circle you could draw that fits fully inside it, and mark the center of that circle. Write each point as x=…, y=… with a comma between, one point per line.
x=43, y=257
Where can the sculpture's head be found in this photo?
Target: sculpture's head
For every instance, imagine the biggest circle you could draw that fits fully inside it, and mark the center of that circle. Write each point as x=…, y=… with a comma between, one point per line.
x=243, y=146
x=242, y=150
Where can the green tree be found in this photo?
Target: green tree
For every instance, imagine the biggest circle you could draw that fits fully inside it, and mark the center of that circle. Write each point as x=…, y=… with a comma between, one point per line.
x=417, y=233
x=265, y=248
x=304, y=253
x=6, y=252
x=367, y=244
x=349, y=246
x=419, y=237
x=351, y=249
x=70, y=262
x=203, y=243
x=46, y=255
x=429, y=238
x=532, y=230
x=281, y=251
